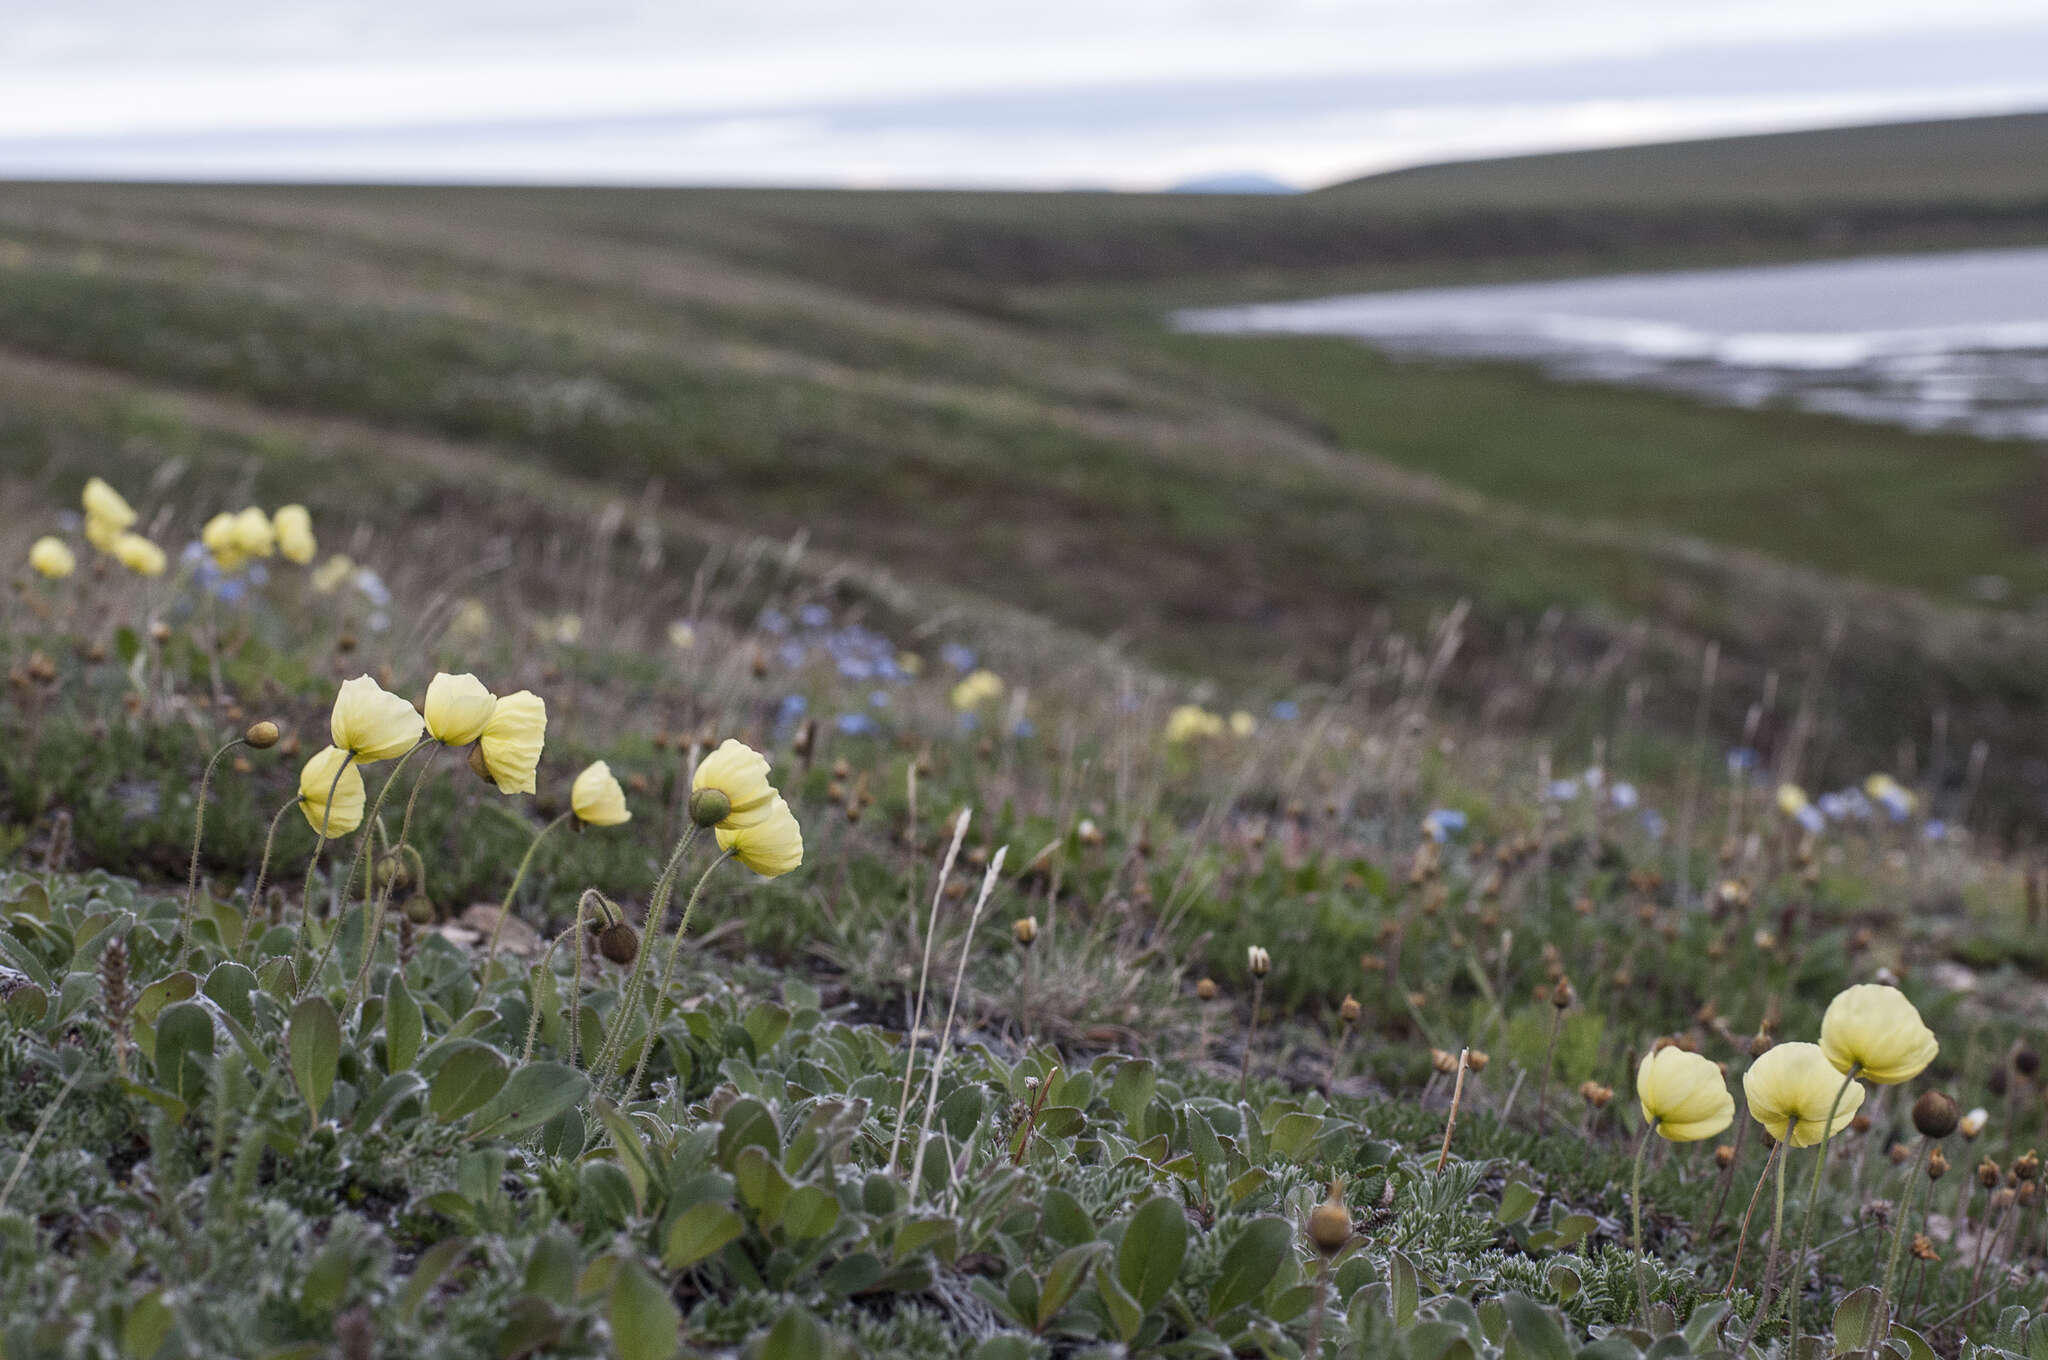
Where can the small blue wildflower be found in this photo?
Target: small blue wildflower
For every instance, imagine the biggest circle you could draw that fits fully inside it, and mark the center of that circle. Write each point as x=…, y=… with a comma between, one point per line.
x=1286, y=711
x=1811, y=818
x=814, y=616
x=1741, y=760
x=773, y=622
x=1653, y=824
x=960, y=658
x=1443, y=823
x=1623, y=795
x=1936, y=830
x=792, y=654
x=1562, y=790
x=856, y=668
x=792, y=707
x=970, y=722
x=1023, y=728
x=373, y=587
x=856, y=724
x=878, y=698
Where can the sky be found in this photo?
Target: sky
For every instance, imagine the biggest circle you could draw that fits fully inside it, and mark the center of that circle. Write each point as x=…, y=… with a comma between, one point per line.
x=1122, y=94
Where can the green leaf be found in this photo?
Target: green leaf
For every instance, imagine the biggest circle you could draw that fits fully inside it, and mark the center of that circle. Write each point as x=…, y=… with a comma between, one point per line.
x=435, y=1262
x=1150, y=1256
x=1066, y=1275
x=315, y=1045
x=184, y=1041
x=1130, y=1093
x=1406, y=1289
x=230, y=986
x=699, y=1232
x=1535, y=1328
x=1517, y=1201
x=645, y=1323
x=1062, y=1219
x=961, y=1111
x=1125, y=1316
x=1292, y=1134
x=796, y=1335
x=762, y=1185
x=148, y=1326
x=402, y=1025
x=158, y=994
x=1859, y=1319
x=468, y=1078
x=536, y=1093
x=812, y=1211
x=765, y=1025
x=1250, y=1264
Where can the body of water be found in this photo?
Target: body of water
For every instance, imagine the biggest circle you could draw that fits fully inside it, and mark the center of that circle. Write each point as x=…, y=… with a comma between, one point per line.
x=1953, y=341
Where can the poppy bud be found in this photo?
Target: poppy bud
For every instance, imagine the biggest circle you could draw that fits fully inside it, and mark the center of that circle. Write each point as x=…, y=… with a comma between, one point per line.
x=1446, y=1063
x=1561, y=995
x=709, y=807
x=261, y=735
x=1937, y=1164
x=2026, y=1061
x=1987, y=1173
x=1724, y=1156
x=1760, y=1044
x=1350, y=1010
x=1935, y=1115
x=619, y=942
x=1258, y=961
x=1025, y=930
x=2027, y=1166
x=1205, y=990
x=1329, y=1223
x=1898, y=1152
x=419, y=910
x=1475, y=1061
x=478, y=767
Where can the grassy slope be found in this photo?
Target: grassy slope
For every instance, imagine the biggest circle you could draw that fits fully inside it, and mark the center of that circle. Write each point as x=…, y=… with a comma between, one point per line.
x=934, y=383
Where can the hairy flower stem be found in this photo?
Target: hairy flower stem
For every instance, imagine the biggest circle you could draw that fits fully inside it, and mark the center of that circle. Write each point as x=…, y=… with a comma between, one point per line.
x=1549, y=1058
x=1915, y=1173
x=540, y=971
x=668, y=972
x=1820, y=1165
x=1742, y=1238
x=1635, y=1204
x=373, y=917
x=320, y=840
x=1763, y=1302
x=362, y=844
x=505, y=907
x=657, y=910
x=198, y=831
x=262, y=872
x=1251, y=1033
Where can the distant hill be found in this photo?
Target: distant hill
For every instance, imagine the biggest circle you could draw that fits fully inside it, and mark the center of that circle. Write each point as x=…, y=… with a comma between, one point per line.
x=1242, y=182
x=1996, y=160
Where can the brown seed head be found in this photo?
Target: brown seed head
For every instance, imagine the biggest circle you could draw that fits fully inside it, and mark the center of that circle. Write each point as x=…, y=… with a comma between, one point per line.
x=1350, y=1010
x=619, y=942
x=1476, y=1061
x=1987, y=1173
x=1935, y=1115
x=2025, y=1061
x=1024, y=930
x=1562, y=996
x=1937, y=1164
x=1443, y=1062
x=1205, y=990
x=1923, y=1248
x=1724, y=1156
x=2027, y=1166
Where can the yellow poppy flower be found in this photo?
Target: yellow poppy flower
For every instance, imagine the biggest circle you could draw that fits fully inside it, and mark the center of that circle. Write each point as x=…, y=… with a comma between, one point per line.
x=372, y=722
x=107, y=505
x=1243, y=724
x=1794, y=1085
x=294, y=529
x=740, y=773
x=596, y=797
x=52, y=558
x=103, y=533
x=766, y=840
x=457, y=708
x=138, y=554
x=344, y=812
x=977, y=689
x=328, y=576
x=1791, y=799
x=1877, y=1028
x=1684, y=1095
x=220, y=539
x=254, y=536
x=511, y=742
x=1192, y=722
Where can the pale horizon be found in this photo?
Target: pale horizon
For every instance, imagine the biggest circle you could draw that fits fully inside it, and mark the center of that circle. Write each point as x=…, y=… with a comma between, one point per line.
x=1054, y=95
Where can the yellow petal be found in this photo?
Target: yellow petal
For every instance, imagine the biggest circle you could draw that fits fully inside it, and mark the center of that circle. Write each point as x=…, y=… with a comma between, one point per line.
x=511, y=741
x=1878, y=1029
x=597, y=798
x=52, y=558
x=457, y=708
x=373, y=722
x=342, y=813
x=1794, y=1085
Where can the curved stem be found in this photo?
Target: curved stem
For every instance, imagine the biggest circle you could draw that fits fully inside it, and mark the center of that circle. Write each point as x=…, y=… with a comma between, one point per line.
x=505, y=907
x=362, y=843
x=1820, y=1165
x=374, y=918
x=1891, y=1264
x=198, y=832
x=1244, y=1071
x=546, y=958
x=1763, y=1303
x=262, y=870
x=1635, y=1202
x=657, y=911
x=668, y=972
x=1742, y=1238
x=320, y=839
